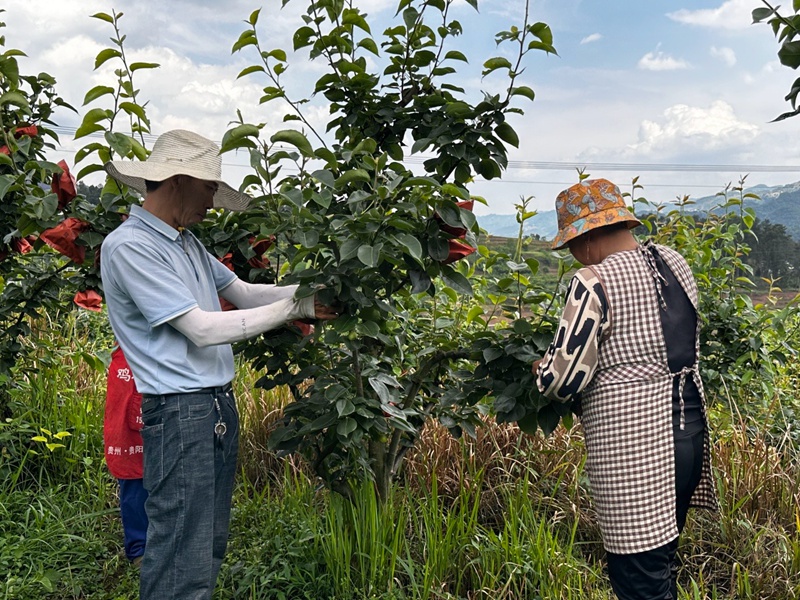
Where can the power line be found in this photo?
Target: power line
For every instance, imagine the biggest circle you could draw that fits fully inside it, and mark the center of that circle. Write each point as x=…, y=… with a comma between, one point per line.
x=566, y=165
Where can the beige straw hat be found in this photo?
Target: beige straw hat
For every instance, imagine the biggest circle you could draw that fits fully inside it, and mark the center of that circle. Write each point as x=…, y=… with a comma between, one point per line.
x=179, y=152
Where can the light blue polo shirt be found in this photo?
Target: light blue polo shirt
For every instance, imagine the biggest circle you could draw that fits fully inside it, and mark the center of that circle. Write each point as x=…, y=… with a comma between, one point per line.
x=151, y=274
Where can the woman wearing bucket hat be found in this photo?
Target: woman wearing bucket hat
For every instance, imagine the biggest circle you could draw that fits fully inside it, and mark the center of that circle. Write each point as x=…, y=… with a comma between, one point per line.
x=162, y=289
x=626, y=352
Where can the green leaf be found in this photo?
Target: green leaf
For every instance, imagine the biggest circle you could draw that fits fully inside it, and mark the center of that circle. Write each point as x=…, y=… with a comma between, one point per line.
x=96, y=92
x=232, y=137
x=420, y=281
x=278, y=54
x=420, y=145
x=548, y=419
x=369, y=45
x=498, y=62
x=368, y=329
x=344, y=406
x=529, y=423
x=250, y=69
x=450, y=213
x=86, y=129
x=351, y=176
x=489, y=169
x=254, y=17
x=6, y=181
x=10, y=68
x=325, y=177
x=248, y=38
x=455, y=55
x=88, y=169
x=370, y=255
x=454, y=190
x=95, y=115
x=789, y=54
x=16, y=99
x=302, y=37
x=457, y=281
x=119, y=142
x=438, y=248
x=523, y=90
x=421, y=182
x=308, y=238
x=349, y=249
x=380, y=388
x=346, y=427
x=296, y=139
x=411, y=244
x=759, y=14
x=138, y=150
x=474, y=313
x=542, y=31
x=459, y=110
x=143, y=65
x=105, y=55
x=506, y=133
x=103, y=17
x=133, y=109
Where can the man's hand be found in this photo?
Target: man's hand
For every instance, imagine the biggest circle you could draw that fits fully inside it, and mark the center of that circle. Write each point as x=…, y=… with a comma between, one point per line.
x=323, y=312
x=535, y=366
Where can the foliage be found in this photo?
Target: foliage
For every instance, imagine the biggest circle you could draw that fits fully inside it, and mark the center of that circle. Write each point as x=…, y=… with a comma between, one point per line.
x=29, y=282
x=357, y=228
x=502, y=516
x=774, y=254
x=786, y=30
x=741, y=345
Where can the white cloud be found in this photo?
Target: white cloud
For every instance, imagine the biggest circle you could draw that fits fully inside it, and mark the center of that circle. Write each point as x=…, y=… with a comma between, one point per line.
x=690, y=129
x=727, y=55
x=591, y=38
x=658, y=61
x=732, y=14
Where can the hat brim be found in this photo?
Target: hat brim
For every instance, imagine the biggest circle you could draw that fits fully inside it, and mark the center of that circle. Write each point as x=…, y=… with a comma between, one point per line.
x=565, y=236
x=134, y=173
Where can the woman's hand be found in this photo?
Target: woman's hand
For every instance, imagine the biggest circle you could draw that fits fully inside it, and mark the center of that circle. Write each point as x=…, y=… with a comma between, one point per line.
x=535, y=367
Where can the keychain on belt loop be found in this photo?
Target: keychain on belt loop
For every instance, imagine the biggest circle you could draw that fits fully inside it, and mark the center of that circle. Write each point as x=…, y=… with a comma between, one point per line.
x=219, y=427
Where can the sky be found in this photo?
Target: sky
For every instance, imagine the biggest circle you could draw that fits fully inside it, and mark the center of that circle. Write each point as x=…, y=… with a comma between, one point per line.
x=677, y=93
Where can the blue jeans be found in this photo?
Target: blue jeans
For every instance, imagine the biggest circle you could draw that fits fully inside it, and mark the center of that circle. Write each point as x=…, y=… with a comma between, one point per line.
x=188, y=473
x=132, y=497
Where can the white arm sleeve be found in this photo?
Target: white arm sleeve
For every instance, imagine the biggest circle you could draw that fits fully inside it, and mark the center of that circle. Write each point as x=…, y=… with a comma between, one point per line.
x=249, y=295
x=204, y=328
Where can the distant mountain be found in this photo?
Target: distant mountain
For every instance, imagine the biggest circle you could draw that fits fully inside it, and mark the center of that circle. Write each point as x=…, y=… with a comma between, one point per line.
x=777, y=204
x=543, y=224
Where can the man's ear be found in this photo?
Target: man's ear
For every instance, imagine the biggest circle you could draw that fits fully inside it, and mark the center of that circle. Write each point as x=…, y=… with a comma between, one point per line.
x=176, y=183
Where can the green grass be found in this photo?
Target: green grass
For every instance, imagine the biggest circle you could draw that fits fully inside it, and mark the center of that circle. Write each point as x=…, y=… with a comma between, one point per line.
x=502, y=516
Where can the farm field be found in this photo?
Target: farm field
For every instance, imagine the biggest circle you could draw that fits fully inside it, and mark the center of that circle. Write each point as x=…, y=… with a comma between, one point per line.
x=503, y=515
x=401, y=449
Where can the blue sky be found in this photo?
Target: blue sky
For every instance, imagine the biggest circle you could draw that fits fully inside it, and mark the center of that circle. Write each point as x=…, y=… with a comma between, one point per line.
x=641, y=83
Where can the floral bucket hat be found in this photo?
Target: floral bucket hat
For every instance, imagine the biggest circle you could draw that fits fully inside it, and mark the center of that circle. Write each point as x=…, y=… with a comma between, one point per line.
x=588, y=205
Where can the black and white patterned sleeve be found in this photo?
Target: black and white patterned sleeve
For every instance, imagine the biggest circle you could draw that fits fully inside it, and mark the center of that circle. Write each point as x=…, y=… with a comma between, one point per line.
x=571, y=359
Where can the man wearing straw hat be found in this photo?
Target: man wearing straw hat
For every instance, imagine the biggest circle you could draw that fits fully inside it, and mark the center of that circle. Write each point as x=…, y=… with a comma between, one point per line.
x=162, y=288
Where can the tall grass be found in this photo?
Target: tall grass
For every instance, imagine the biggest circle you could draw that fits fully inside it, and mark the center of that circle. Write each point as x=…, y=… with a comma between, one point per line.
x=503, y=516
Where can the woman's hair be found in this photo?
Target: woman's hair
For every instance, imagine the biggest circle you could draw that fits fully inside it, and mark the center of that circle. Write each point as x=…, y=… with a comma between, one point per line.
x=615, y=226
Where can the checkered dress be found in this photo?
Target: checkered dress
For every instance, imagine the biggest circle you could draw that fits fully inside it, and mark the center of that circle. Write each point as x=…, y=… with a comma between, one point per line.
x=627, y=402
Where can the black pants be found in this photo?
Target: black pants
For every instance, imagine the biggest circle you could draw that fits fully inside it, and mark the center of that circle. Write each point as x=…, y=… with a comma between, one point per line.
x=652, y=575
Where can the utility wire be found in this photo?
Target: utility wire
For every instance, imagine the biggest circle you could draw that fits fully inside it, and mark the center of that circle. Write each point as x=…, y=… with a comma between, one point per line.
x=567, y=165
